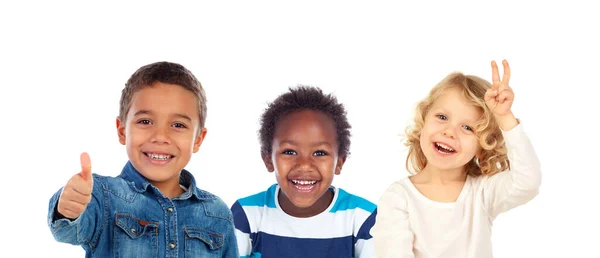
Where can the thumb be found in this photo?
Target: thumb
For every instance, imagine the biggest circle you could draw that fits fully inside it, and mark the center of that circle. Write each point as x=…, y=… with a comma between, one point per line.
x=86, y=167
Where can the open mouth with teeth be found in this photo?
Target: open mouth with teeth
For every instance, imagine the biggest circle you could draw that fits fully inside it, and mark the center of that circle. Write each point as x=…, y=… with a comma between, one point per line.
x=443, y=148
x=304, y=186
x=158, y=157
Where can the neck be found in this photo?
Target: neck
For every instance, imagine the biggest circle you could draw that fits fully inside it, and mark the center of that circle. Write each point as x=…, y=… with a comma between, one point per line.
x=172, y=193
x=169, y=188
x=321, y=205
x=443, y=176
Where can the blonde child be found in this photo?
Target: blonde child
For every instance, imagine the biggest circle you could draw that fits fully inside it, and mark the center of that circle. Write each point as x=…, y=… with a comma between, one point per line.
x=470, y=160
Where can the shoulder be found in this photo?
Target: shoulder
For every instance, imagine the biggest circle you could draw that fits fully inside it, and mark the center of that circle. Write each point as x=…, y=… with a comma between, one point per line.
x=348, y=201
x=110, y=183
x=264, y=198
x=214, y=206
x=397, y=194
x=249, y=210
x=116, y=186
x=399, y=187
x=107, y=180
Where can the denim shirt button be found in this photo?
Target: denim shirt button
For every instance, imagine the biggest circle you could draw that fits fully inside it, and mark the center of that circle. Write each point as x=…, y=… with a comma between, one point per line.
x=170, y=209
x=172, y=245
x=133, y=230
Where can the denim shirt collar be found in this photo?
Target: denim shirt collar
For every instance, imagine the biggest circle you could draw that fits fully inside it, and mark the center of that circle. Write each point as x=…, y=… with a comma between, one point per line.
x=140, y=184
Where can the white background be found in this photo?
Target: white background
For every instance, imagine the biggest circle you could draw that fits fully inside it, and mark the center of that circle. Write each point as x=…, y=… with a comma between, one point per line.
x=63, y=65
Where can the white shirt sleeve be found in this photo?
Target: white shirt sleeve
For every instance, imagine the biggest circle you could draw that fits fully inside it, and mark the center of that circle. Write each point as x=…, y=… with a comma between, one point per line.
x=509, y=189
x=391, y=233
x=244, y=243
x=364, y=248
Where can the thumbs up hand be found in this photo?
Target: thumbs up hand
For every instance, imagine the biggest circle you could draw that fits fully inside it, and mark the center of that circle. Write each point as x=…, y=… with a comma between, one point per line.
x=77, y=193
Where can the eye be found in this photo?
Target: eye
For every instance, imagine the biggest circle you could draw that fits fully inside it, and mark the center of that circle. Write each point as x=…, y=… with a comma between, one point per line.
x=442, y=117
x=288, y=152
x=179, y=125
x=468, y=128
x=320, y=153
x=144, y=121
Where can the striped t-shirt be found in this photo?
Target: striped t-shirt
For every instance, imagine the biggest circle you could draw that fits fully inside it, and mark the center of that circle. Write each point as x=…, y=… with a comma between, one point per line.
x=264, y=230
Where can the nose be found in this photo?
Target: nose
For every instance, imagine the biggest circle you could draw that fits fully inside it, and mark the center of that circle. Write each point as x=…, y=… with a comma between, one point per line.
x=449, y=132
x=160, y=135
x=304, y=162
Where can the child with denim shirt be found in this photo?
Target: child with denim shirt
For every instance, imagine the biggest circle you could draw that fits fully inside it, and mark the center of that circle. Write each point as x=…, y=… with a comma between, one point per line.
x=153, y=208
x=305, y=140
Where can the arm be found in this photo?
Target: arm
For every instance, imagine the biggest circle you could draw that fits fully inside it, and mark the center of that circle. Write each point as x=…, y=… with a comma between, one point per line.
x=392, y=235
x=75, y=211
x=509, y=189
x=242, y=230
x=231, y=245
x=364, y=246
x=82, y=230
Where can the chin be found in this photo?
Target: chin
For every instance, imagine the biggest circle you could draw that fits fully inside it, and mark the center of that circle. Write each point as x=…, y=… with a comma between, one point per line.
x=158, y=175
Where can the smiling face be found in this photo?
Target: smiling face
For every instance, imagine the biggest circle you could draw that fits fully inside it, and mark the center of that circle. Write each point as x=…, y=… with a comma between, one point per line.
x=161, y=132
x=447, y=138
x=304, y=158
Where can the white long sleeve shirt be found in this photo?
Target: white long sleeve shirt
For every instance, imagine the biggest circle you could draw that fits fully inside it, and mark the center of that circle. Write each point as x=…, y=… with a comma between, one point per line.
x=408, y=224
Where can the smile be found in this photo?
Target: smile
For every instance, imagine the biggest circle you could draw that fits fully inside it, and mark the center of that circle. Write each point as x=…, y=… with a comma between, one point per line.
x=304, y=186
x=443, y=148
x=158, y=158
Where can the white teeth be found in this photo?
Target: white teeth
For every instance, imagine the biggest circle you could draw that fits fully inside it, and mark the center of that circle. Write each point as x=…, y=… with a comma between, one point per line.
x=159, y=156
x=304, y=182
x=444, y=146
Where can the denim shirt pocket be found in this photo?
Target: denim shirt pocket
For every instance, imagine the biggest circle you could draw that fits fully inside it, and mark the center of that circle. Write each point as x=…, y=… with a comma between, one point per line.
x=135, y=237
x=200, y=242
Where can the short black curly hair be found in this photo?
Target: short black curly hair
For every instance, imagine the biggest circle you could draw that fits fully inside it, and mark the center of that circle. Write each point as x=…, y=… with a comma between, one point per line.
x=305, y=97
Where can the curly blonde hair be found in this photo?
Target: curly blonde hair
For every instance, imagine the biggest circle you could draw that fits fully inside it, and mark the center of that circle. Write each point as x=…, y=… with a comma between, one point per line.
x=492, y=159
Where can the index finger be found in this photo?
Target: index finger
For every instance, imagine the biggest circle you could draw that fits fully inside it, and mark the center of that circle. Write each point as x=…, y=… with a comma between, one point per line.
x=495, y=75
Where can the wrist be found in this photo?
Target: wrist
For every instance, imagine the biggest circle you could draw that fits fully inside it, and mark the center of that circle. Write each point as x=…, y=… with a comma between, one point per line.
x=506, y=122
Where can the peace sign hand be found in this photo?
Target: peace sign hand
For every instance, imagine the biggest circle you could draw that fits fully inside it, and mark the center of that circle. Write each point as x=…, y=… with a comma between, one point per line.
x=500, y=97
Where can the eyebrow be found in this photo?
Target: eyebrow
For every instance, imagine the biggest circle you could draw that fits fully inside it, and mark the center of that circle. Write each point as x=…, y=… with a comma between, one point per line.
x=314, y=144
x=148, y=112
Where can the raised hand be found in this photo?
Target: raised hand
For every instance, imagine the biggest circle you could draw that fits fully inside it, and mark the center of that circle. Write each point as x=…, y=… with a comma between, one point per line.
x=77, y=193
x=500, y=97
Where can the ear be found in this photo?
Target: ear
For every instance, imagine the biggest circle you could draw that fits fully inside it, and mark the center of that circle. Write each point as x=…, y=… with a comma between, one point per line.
x=266, y=157
x=340, y=162
x=121, y=131
x=199, y=139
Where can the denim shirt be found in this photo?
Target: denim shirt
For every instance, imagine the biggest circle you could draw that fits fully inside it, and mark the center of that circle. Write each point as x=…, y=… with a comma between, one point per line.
x=129, y=217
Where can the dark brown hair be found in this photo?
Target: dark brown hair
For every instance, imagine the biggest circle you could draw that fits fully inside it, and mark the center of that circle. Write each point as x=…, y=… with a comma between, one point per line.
x=165, y=72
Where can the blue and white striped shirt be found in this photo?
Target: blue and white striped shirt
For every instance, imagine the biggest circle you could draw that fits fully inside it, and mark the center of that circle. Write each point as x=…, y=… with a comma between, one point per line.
x=264, y=230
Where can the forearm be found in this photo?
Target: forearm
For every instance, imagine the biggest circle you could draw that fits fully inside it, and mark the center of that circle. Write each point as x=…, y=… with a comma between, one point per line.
x=77, y=231
x=525, y=169
x=521, y=183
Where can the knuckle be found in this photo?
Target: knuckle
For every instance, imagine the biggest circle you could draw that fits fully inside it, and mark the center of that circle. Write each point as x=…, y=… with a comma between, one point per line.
x=79, y=209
